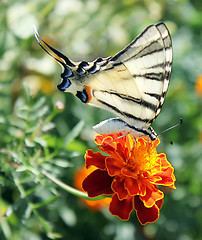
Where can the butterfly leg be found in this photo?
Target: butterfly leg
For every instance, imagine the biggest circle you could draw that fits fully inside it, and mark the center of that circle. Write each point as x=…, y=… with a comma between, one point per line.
x=131, y=149
x=148, y=143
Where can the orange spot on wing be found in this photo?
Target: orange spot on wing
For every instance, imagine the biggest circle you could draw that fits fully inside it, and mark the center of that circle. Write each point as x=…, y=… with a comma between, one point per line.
x=89, y=93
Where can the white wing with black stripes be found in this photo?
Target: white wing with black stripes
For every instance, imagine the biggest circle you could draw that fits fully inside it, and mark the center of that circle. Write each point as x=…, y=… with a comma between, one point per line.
x=132, y=84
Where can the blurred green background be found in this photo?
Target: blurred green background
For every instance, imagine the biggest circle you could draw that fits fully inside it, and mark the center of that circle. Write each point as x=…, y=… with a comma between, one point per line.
x=34, y=135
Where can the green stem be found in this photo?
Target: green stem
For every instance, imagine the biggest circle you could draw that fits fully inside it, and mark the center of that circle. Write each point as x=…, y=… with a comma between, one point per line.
x=40, y=125
x=23, y=195
x=69, y=189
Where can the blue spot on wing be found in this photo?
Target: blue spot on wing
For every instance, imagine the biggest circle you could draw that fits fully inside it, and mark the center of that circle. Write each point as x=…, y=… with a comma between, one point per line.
x=65, y=81
x=83, y=96
x=64, y=84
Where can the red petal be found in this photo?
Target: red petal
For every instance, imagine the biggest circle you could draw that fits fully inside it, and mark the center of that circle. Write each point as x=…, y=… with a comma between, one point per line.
x=121, y=150
x=114, y=165
x=167, y=177
x=164, y=161
x=152, y=195
x=98, y=183
x=105, y=140
x=155, y=143
x=111, y=149
x=159, y=203
x=119, y=188
x=114, y=145
x=135, y=187
x=100, y=138
x=122, y=208
x=95, y=159
x=147, y=215
x=128, y=173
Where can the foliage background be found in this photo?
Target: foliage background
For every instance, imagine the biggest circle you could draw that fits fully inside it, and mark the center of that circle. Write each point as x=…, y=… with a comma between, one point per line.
x=35, y=135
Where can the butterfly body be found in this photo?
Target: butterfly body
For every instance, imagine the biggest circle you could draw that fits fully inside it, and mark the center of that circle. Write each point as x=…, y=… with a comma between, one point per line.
x=132, y=84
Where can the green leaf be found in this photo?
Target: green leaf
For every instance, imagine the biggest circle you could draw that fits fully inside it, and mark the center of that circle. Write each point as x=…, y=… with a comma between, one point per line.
x=39, y=104
x=74, y=133
x=27, y=91
x=44, y=203
x=40, y=141
x=47, y=127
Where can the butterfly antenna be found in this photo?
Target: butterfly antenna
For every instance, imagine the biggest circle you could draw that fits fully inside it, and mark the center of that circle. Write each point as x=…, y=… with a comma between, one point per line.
x=176, y=125
x=168, y=129
x=171, y=142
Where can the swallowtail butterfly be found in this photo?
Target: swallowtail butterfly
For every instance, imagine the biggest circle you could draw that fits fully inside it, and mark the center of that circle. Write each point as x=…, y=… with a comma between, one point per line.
x=132, y=84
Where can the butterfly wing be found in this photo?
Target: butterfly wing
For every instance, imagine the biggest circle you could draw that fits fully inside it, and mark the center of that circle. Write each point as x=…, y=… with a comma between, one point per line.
x=134, y=82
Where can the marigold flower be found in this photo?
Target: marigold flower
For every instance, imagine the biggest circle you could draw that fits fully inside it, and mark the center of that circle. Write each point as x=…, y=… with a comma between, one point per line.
x=130, y=173
x=80, y=175
x=198, y=85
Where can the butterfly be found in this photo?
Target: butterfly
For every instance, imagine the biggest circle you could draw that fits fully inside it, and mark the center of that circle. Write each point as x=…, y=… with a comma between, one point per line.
x=132, y=84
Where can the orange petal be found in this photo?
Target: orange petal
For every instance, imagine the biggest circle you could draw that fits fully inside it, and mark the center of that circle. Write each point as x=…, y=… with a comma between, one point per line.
x=105, y=139
x=135, y=187
x=128, y=173
x=114, y=145
x=95, y=159
x=114, y=166
x=164, y=161
x=98, y=204
x=119, y=188
x=198, y=85
x=152, y=195
x=166, y=177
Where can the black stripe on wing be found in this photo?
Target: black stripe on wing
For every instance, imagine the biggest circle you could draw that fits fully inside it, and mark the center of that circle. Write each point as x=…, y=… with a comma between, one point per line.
x=129, y=99
x=151, y=76
x=148, y=131
x=146, y=51
x=157, y=96
x=124, y=114
x=167, y=65
x=92, y=67
x=116, y=57
x=160, y=65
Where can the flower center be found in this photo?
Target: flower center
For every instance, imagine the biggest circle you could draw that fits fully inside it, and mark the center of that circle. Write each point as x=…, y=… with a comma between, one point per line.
x=141, y=161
